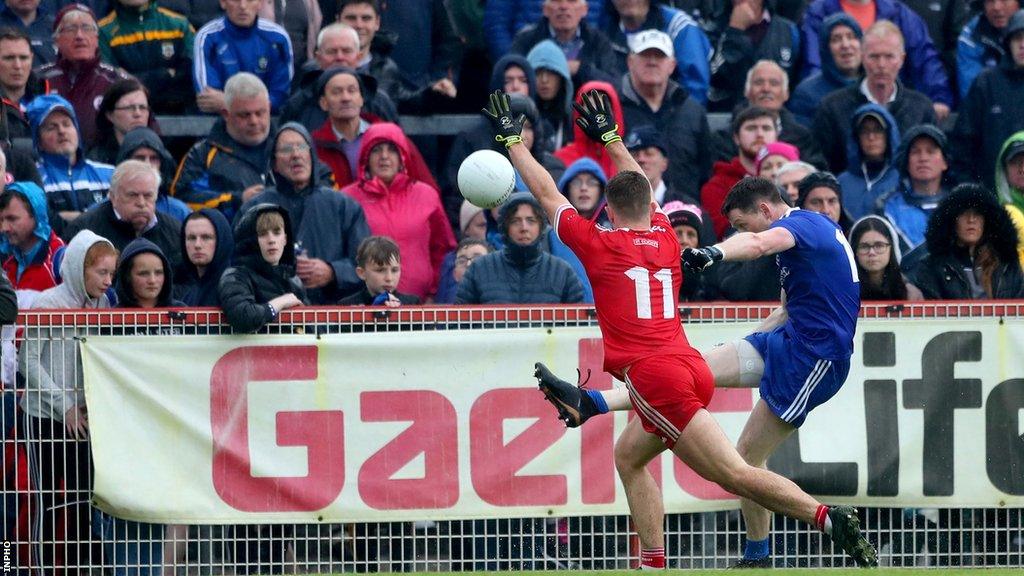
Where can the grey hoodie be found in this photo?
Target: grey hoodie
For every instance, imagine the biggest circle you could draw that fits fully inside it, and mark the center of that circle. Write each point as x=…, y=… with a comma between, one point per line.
x=49, y=358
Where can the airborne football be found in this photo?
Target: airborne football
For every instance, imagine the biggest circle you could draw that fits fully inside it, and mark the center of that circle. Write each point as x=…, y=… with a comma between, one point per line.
x=486, y=178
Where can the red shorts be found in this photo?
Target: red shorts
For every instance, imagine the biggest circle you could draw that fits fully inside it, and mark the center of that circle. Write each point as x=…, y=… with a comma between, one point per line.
x=667, y=391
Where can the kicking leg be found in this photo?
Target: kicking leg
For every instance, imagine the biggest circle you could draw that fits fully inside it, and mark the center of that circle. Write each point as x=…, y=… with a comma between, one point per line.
x=633, y=451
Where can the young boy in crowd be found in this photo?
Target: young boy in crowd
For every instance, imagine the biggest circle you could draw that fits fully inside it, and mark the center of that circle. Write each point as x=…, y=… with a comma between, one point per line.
x=379, y=266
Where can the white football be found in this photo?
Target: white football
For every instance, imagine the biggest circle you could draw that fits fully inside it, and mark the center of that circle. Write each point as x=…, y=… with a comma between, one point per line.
x=486, y=178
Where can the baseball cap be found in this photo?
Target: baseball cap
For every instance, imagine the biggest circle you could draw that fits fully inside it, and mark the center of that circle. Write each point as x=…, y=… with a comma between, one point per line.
x=647, y=39
x=645, y=136
x=1015, y=149
x=876, y=116
x=75, y=7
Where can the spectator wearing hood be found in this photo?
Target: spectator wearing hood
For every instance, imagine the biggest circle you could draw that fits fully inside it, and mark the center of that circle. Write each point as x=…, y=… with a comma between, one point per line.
x=871, y=160
x=513, y=74
x=71, y=182
x=691, y=228
x=650, y=97
x=972, y=249
x=992, y=111
x=125, y=106
x=922, y=163
x=839, y=47
x=328, y=226
x=155, y=45
x=625, y=19
x=144, y=144
x=581, y=146
x=261, y=281
x=883, y=57
x=232, y=164
x=29, y=248
x=924, y=70
x=144, y=278
x=337, y=45
x=78, y=74
x=207, y=245
x=754, y=32
x=877, y=251
x=583, y=184
x=820, y=192
x=980, y=44
x=522, y=272
x=504, y=18
x=1010, y=182
x=554, y=91
x=403, y=208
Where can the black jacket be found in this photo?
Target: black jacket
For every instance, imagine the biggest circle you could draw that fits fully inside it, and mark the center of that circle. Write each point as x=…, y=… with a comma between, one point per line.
x=832, y=124
x=991, y=113
x=8, y=301
x=247, y=287
x=735, y=53
x=102, y=220
x=304, y=104
x=364, y=298
x=683, y=125
x=189, y=287
x=597, y=57
x=328, y=224
x=123, y=282
x=944, y=277
x=750, y=281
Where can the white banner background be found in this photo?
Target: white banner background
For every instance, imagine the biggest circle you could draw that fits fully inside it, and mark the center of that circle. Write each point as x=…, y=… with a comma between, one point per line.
x=153, y=440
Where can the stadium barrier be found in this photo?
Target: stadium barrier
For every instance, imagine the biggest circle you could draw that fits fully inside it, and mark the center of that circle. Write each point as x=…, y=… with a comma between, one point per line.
x=413, y=439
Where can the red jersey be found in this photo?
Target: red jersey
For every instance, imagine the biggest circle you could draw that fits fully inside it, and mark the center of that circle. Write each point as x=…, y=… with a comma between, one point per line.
x=636, y=277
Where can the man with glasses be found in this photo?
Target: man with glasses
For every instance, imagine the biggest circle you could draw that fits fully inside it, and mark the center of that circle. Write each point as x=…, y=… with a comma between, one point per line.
x=78, y=75
x=155, y=45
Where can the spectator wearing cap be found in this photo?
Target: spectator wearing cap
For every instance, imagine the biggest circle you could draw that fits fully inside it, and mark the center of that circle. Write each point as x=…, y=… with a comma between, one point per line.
x=752, y=129
x=522, y=272
x=627, y=18
x=587, y=49
x=883, y=58
x=37, y=24
x=78, y=75
x=232, y=164
x=691, y=231
x=337, y=46
x=647, y=146
x=241, y=41
x=992, y=111
x=72, y=183
x=504, y=18
x=753, y=33
x=871, y=171
x=156, y=46
x=924, y=70
x=820, y=192
x=980, y=44
x=1009, y=171
x=651, y=97
x=839, y=45
x=789, y=175
x=554, y=91
x=922, y=164
x=772, y=157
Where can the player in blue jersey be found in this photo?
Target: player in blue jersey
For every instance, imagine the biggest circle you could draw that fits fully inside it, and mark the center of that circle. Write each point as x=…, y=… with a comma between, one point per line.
x=798, y=357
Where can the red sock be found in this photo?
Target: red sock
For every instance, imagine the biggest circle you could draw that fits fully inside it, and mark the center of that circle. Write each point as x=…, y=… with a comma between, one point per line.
x=820, y=516
x=652, y=558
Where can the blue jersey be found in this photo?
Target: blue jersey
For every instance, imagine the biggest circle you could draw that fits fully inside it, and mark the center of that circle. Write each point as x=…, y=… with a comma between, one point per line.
x=819, y=276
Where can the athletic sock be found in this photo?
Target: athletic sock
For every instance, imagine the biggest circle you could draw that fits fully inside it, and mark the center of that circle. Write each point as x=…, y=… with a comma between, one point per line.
x=822, y=521
x=755, y=549
x=599, y=403
x=652, y=558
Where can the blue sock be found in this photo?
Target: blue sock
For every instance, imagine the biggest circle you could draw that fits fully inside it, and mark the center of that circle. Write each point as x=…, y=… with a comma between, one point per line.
x=599, y=402
x=755, y=549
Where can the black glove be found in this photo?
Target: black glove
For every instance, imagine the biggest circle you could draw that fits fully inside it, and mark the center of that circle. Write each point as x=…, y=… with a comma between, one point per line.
x=700, y=259
x=507, y=129
x=596, y=118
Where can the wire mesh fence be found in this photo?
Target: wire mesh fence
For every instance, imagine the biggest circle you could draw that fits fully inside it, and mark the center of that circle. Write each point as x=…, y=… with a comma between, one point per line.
x=50, y=527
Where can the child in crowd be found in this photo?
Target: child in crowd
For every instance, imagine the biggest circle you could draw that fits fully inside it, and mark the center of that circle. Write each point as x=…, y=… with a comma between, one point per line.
x=379, y=266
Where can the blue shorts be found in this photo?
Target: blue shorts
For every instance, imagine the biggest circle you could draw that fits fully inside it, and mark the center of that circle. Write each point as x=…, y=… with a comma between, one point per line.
x=794, y=379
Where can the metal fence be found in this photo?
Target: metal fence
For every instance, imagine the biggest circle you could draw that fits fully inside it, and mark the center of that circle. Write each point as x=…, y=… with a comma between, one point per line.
x=50, y=527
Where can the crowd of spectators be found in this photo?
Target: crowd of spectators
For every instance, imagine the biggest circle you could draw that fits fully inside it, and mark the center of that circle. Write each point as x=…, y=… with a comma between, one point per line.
x=307, y=191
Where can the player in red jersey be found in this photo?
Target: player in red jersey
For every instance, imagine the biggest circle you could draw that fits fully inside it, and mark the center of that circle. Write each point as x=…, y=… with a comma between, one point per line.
x=634, y=269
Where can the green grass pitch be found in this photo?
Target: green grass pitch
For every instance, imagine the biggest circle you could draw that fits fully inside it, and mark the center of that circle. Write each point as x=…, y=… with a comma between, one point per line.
x=768, y=572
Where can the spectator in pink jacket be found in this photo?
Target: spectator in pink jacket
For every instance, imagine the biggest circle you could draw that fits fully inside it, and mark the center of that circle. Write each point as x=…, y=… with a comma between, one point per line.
x=402, y=208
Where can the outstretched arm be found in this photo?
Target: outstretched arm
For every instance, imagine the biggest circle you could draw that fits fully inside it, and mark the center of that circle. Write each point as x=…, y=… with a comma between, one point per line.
x=741, y=246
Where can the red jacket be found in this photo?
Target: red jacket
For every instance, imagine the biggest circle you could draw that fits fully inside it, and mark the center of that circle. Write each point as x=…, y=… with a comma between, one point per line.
x=40, y=274
x=407, y=211
x=330, y=152
x=724, y=176
x=582, y=146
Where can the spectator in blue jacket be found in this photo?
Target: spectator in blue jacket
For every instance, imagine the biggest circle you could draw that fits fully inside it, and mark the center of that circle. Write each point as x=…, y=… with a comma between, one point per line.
x=37, y=22
x=583, y=184
x=980, y=44
x=625, y=18
x=921, y=161
x=504, y=18
x=924, y=70
x=240, y=41
x=839, y=43
x=72, y=183
x=554, y=92
x=871, y=148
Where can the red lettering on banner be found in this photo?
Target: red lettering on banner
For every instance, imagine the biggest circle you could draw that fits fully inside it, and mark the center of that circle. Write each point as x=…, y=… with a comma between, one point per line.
x=434, y=433
x=597, y=459
x=320, y=431
x=724, y=400
x=494, y=464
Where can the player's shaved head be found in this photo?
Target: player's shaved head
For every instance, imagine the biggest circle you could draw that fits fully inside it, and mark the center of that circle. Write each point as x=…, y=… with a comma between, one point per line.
x=746, y=194
x=629, y=195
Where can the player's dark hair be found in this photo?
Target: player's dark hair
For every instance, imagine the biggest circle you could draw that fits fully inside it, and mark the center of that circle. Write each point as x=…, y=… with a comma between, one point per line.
x=379, y=250
x=746, y=194
x=752, y=113
x=7, y=195
x=892, y=287
x=375, y=4
x=629, y=194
